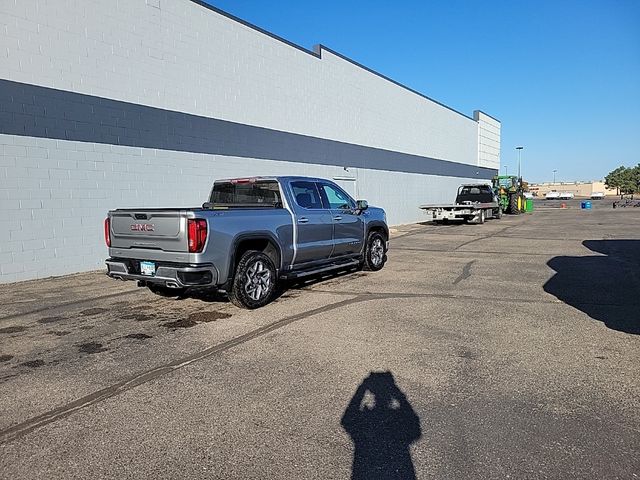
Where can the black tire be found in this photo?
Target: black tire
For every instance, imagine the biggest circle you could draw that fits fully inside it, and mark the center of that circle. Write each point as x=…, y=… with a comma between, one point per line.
x=163, y=291
x=251, y=288
x=374, y=258
x=513, y=204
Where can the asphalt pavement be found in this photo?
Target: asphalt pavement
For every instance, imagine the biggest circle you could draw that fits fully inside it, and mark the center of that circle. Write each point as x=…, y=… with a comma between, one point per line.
x=504, y=350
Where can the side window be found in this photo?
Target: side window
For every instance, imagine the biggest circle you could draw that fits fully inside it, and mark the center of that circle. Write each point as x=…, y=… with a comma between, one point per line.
x=306, y=195
x=336, y=198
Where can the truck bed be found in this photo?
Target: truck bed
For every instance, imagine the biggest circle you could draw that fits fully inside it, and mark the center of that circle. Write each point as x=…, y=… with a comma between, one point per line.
x=458, y=206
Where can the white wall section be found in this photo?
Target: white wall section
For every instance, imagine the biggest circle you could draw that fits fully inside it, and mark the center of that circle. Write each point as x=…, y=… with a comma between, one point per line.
x=488, y=140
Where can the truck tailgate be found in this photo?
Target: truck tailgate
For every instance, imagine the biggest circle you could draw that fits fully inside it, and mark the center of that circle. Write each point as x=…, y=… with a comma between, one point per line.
x=156, y=229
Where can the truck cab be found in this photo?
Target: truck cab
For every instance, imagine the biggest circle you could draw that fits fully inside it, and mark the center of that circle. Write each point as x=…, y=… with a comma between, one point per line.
x=475, y=193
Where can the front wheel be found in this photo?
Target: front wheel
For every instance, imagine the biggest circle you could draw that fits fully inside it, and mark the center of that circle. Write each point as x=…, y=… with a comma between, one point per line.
x=375, y=254
x=254, y=281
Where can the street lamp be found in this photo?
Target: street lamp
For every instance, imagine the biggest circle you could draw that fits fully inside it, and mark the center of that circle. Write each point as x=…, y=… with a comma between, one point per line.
x=554, y=176
x=519, y=149
x=506, y=171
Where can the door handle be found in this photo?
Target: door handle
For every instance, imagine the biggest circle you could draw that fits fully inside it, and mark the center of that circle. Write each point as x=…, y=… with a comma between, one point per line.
x=303, y=220
x=337, y=217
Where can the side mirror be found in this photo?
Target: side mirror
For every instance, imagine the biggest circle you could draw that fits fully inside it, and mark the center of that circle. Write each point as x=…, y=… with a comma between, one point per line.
x=361, y=205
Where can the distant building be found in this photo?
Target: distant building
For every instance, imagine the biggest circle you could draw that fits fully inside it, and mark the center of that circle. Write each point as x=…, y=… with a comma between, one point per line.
x=579, y=189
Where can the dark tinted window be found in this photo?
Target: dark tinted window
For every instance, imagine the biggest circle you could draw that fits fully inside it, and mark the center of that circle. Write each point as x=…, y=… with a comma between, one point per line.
x=265, y=193
x=306, y=195
x=475, y=190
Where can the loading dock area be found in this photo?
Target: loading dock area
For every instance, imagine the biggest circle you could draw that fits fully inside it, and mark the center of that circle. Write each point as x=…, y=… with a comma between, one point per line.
x=509, y=349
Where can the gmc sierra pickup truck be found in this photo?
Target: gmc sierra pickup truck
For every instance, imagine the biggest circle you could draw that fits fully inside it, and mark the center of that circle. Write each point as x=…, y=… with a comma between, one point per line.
x=251, y=233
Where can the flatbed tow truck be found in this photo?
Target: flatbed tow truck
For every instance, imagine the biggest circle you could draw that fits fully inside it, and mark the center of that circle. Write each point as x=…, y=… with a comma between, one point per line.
x=474, y=203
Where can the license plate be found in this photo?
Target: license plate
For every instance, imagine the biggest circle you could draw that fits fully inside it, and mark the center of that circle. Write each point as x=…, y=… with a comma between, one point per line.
x=147, y=268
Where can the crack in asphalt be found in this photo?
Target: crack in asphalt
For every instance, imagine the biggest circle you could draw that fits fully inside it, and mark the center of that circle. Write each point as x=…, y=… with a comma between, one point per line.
x=133, y=381
x=485, y=237
x=533, y=301
x=409, y=249
x=392, y=295
x=466, y=272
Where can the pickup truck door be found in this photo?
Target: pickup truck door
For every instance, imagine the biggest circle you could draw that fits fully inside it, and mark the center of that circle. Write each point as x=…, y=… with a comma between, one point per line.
x=348, y=227
x=313, y=222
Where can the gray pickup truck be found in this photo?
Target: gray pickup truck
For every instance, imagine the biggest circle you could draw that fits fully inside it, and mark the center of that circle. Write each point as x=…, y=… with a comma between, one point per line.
x=251, y=233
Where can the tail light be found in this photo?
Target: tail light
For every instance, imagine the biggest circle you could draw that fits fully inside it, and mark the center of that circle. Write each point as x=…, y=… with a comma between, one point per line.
x=107, y=231
x=197, y=234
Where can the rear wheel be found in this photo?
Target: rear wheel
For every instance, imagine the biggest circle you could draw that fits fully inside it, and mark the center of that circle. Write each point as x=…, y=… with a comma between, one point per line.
x=375, y=254
x=514, y=208
x=254, y=281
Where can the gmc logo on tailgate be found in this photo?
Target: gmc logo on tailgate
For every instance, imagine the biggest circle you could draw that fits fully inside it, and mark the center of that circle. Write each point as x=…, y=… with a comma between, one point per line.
x=142, y=227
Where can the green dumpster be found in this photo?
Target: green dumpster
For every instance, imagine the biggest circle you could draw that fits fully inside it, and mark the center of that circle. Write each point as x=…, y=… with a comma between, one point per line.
x=528, y=206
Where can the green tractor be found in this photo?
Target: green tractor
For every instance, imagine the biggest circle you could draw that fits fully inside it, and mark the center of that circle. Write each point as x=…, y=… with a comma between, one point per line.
x=510, y=192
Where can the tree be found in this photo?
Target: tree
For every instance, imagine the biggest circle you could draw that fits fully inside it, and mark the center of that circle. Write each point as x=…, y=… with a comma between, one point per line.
x=632, y=182
x=615, y=179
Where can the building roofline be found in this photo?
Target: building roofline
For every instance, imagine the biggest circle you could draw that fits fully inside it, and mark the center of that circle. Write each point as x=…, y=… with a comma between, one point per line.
x=254, y=27
x=485, y=113
x=317, y=52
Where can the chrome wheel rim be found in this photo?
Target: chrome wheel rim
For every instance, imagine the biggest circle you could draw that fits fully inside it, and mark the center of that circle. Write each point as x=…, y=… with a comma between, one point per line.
x=377, y=252
x=257, y=280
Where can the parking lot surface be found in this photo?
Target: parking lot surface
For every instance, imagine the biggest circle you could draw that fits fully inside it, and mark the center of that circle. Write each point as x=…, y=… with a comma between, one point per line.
x=503, y=350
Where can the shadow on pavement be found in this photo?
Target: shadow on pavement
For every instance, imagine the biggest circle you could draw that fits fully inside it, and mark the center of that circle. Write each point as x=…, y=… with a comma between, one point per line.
x=607, y=288
x=382, y=425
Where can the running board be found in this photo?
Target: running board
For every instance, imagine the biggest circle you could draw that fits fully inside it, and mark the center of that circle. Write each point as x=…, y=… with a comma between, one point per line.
x=315, y=271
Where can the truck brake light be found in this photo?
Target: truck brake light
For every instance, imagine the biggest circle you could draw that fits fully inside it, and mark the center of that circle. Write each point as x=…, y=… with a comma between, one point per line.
x=107, y=231
x=236, y=181
x=196, y=234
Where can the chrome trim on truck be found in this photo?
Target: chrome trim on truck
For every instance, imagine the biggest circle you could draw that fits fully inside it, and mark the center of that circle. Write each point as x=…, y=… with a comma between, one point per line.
x=165, y=275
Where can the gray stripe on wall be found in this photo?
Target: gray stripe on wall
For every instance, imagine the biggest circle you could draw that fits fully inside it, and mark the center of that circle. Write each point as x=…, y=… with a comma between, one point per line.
x=34, y=111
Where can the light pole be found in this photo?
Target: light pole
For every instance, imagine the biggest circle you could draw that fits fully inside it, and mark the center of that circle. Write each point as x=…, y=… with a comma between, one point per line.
x=506, y=172
x=519, y=149
x=554, y=176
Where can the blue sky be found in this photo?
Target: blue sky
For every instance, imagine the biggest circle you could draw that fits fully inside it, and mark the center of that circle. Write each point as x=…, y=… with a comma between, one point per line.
x=563, y=76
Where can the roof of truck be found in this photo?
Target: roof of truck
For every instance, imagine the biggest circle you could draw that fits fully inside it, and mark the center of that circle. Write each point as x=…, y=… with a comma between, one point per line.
x=277, y=177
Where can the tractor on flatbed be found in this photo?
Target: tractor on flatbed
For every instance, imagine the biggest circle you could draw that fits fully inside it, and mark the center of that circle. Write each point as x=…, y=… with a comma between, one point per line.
x=510, y=192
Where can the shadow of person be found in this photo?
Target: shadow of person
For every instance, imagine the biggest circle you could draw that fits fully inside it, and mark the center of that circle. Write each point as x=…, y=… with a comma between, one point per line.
x=382, y=426
x=605, y=287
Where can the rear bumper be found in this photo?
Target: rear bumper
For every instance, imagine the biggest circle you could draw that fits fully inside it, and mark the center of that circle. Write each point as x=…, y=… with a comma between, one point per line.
x=168, y=275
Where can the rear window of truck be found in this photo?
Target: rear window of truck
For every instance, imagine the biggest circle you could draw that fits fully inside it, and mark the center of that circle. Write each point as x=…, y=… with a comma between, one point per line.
x=261, y=193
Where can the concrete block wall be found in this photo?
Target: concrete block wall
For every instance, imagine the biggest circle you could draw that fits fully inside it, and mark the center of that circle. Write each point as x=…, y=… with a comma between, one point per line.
x=55, y=195
x=187, y=58
x=488, y=140
x=146, y=103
